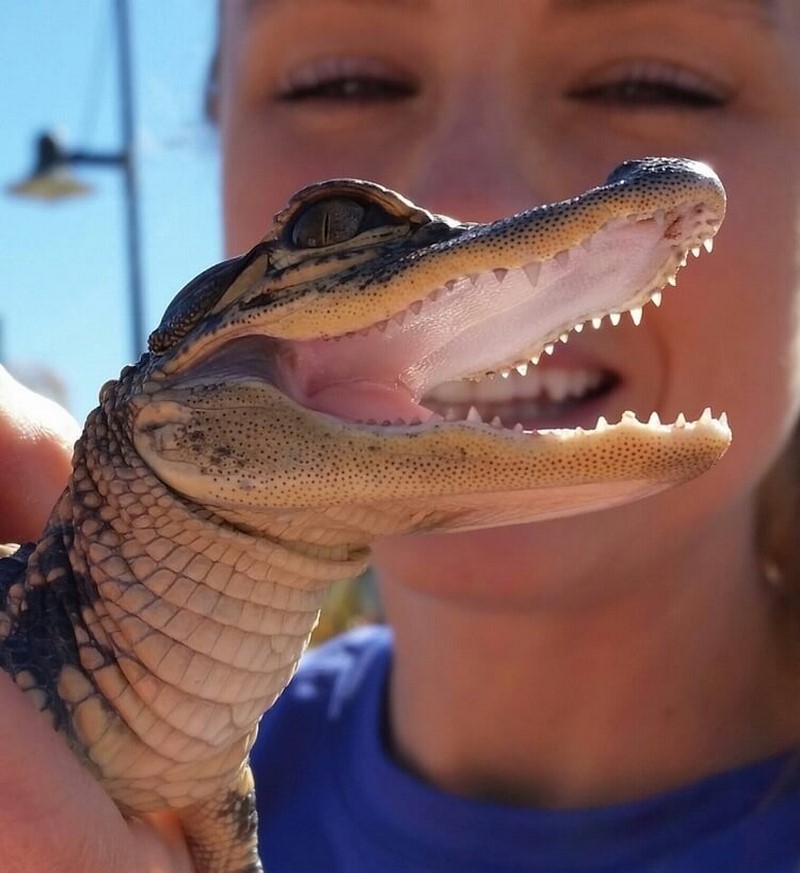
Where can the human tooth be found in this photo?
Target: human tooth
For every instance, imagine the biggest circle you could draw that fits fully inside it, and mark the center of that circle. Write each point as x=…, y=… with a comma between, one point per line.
x=556, y=383
x=578, y=382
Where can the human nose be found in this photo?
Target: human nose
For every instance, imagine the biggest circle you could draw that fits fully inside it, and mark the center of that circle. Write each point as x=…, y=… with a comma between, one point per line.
x=473, y=164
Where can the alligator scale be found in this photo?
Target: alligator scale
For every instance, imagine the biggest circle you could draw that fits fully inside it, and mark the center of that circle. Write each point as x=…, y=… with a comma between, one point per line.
x=280, y=422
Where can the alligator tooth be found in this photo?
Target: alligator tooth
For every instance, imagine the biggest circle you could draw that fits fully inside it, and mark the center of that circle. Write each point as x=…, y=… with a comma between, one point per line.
x=416, y=306
x=656, y=298
x=708, y=245
x=474, y=416
x=636, y=315
x=473, y=278
x=564, y=337
x=500, y=273
x=386, y=422
x=518, y=428
x=505, y=373
x=587, y=243
x=532, y=271
x=400, y=318
x=706, y=417
x=684, y=260
x=522, y=369
x=680, y=420
x=654, y=420
x=615, y=318
x=723, y=419
x=450, y=284
x=549, y=349
x=696, y=251
x=535, y=359
x=496, y=423
x=602, y=423
x=562, y=258
x=596, y=323
x=672, y=280
x=628, y=415
x=578, y=328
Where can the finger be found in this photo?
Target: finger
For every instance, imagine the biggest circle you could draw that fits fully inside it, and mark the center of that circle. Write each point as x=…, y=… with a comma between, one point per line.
x=36, y=439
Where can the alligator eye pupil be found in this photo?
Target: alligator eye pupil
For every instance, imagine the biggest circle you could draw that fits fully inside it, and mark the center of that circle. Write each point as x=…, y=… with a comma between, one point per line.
x=327, y=222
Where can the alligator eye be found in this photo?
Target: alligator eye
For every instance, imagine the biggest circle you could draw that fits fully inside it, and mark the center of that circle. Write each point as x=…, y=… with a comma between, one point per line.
x=327, y=222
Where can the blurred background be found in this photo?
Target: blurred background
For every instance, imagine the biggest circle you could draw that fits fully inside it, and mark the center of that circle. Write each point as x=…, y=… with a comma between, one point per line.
x=65, y=307
x=93, y=248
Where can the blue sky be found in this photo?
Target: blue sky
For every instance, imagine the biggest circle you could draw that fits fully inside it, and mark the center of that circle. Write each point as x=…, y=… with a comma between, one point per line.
x=63, y=287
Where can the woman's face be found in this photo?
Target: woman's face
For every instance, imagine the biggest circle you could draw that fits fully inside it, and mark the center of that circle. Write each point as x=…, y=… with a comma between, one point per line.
x=480, y=109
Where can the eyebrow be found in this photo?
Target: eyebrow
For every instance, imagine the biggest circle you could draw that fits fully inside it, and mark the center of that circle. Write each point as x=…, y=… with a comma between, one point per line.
x=414, y=4
x=763, y=11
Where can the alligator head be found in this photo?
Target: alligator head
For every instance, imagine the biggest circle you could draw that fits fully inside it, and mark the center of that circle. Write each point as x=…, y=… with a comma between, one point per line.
x=318, y=373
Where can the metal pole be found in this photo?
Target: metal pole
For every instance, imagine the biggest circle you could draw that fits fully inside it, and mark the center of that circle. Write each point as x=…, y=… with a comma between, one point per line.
x=129, y=170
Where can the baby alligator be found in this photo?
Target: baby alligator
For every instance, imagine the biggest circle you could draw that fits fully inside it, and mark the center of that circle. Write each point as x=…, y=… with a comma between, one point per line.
x=278, y=425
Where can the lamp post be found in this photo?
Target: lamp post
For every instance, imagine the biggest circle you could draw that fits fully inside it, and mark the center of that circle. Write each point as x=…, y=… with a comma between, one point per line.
x=51, y=179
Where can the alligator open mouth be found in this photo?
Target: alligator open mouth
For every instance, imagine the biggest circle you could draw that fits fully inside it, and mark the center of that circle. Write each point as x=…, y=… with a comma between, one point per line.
x=468, y=350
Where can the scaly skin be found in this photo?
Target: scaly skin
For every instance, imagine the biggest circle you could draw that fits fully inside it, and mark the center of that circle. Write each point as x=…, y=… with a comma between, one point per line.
x=225, y=480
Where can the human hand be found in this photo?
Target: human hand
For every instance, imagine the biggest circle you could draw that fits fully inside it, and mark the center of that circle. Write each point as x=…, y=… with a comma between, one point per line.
x=55, y=816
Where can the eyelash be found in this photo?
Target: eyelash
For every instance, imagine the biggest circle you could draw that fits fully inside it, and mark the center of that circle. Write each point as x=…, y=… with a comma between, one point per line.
x=346, y=80
x=638, y=86
x=658, y=86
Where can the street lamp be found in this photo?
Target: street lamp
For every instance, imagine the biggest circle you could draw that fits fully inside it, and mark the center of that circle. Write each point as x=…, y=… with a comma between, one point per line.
x=51, y=178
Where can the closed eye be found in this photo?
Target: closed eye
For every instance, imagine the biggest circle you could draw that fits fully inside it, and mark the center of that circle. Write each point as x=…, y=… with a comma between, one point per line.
x=656, y=86
x=346, y=79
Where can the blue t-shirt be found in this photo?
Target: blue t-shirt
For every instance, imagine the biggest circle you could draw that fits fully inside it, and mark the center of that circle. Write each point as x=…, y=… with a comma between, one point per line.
x=332, y=800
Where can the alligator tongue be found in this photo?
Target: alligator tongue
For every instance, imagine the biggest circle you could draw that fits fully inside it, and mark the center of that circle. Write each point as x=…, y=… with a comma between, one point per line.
x=363, y=400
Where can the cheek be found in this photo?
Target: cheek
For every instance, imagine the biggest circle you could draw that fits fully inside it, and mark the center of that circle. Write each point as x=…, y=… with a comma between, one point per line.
x=731, y=329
